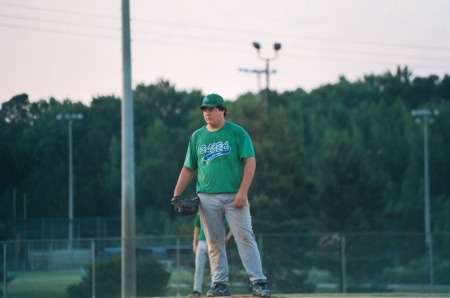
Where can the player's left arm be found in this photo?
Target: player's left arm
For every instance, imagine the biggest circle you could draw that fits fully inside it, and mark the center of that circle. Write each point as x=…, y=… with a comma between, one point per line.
x=241, y=198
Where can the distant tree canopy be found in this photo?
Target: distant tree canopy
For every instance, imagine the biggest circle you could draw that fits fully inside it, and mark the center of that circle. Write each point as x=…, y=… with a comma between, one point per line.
x=344, y=157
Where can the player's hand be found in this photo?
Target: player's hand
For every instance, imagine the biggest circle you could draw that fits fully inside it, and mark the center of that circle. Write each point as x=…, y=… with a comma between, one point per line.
x=240, y=200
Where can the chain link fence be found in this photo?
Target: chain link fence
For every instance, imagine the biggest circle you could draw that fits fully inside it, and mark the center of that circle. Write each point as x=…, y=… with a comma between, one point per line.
x=293, y=263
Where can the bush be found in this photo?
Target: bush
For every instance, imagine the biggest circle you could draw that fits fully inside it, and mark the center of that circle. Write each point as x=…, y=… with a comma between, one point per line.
x=293, y=281
x=151, y=279
x=9, y=278
x=418, y=271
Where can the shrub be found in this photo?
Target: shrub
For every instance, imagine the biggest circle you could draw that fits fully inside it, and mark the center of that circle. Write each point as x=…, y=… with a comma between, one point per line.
x=417, y=271
x=151, y=279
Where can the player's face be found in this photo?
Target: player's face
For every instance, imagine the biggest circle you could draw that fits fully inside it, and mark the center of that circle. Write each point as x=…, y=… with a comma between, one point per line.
x=213, y=117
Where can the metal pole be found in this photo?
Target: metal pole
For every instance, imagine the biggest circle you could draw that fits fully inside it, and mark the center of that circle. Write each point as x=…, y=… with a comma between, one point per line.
x=428, y=239
x=70, y=118
x=426, y=181
x=70, y=244
x=14, y=212
x=4, y=271
x=93, y=268
x=426, y=117
x=178, y=267
x=430, y=261
x=128, y=277
x=258, y=77
x=266, y=92
x=25, y=216
x=24, y=237
x=344, y=265
x=15, y=230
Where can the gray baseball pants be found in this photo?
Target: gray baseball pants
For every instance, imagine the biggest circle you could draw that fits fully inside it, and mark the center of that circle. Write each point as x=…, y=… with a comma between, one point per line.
x=213, y=209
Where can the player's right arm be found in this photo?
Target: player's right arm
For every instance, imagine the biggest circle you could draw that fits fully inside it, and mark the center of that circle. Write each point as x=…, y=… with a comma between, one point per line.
x=185, y=177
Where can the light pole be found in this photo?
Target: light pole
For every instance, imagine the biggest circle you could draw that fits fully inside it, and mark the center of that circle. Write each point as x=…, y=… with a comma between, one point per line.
x=258, y=75
x=276, y=47
x=426, y=117
x=70, y=118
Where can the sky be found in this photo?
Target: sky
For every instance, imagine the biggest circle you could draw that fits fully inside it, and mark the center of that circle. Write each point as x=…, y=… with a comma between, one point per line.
x=72, y=49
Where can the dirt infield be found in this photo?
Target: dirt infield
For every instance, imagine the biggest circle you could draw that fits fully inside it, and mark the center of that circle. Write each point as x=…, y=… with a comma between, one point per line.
x=354, y=296
x=408, y=295
x=373, y=295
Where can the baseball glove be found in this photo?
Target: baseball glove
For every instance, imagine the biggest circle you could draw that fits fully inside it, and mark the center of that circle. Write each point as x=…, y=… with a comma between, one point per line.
x=185, y=206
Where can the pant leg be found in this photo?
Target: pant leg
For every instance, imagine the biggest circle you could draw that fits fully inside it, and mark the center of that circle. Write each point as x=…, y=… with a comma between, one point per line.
x=212, y=217
x=201, y=256
x=239, y=220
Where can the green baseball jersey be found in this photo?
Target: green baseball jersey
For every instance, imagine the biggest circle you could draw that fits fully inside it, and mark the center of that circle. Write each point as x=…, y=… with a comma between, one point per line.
x=217, y=157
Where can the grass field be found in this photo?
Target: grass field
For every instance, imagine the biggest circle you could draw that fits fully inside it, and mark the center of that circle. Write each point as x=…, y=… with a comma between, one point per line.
x=42, y=284
x=53, y=284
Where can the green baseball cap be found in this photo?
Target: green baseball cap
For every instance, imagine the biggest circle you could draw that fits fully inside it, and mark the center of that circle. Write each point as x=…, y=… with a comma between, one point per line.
x=212, y=100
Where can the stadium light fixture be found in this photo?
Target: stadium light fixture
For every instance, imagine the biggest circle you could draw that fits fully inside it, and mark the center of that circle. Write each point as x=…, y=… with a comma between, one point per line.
x=426, y=117
x=70, y=118
x=276, y=47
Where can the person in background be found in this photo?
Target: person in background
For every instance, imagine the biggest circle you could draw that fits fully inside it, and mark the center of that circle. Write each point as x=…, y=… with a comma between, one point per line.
x=200, y=249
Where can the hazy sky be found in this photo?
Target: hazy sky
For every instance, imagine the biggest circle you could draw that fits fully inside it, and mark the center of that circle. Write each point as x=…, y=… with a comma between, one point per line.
x=72, y=48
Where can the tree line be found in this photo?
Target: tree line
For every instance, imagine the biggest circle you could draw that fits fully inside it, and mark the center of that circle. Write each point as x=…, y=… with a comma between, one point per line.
x=345, y=157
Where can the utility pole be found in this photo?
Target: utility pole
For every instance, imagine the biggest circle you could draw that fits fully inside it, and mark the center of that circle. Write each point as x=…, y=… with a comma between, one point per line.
x=128, y=273
x=276, y=47
x=258, y=75
x=426, y=117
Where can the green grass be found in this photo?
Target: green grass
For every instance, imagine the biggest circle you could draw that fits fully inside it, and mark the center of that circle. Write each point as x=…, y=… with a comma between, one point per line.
x=42, y=284
x=53, y=284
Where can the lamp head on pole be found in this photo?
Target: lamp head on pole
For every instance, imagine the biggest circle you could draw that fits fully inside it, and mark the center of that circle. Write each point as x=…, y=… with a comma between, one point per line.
x=256, y=45
x=73, y=116
x=277, y=46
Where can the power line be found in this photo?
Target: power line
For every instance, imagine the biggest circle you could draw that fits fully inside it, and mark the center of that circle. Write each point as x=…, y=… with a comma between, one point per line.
x=59, y=32
x=58, y=23
x=190, y=36
x=183, y=44
x=230, y=31
x=296, y=37
x=202, y=37
x=61, y=11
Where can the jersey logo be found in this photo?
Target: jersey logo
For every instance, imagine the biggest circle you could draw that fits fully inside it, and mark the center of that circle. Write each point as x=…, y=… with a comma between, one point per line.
x=214, y=150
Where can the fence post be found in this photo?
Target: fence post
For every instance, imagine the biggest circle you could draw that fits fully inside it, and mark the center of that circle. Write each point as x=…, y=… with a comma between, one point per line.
x=93, y=268
x=344, y=265
x=99, y=227
x=178, y=267
x=4, y=270
x=430, y=260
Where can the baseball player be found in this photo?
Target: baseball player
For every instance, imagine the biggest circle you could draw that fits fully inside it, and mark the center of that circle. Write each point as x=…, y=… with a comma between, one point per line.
x=221, y=154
